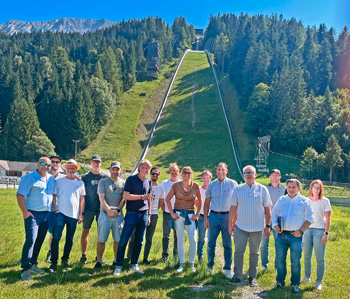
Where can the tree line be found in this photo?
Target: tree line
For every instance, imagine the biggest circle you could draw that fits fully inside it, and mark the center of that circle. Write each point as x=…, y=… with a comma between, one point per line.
x=293, y=83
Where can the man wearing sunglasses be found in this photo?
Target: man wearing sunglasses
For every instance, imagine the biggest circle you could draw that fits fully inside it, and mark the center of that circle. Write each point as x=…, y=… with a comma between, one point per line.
x=253, y=204
x=167, y=184
x=110, y=192
x=34, y=197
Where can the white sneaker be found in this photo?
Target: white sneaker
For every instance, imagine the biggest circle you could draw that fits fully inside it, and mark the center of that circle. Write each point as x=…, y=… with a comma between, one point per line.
x=135, y=268
x=193, y=269
x=263, y=268
x=36, y=270
x=26, y=275
x=117, y=271
x=306, y=280
x=318, y=286
x=180, y=269
x=228, y=274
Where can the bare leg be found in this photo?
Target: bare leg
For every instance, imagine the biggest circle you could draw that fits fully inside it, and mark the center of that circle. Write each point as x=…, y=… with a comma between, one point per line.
x=84, y=240
x=100, y=251
x=115, y=249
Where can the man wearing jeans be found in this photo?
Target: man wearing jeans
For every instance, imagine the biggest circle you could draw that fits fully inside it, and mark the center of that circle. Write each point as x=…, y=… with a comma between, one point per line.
x=34, y=197
x=68, y=204
x=253, y=205
x=295, y=212
x=137, y=193
x=218, y=196
x=276, y=190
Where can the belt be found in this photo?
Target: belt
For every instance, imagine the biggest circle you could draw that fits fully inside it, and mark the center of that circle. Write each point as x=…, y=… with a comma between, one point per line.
x=201, y=215
x=288, y=232
x=220, y=213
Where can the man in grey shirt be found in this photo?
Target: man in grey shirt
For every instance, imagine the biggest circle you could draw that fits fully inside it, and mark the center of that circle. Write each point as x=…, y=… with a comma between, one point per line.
x=276, y=190
x=110, y=192
x=218, y=196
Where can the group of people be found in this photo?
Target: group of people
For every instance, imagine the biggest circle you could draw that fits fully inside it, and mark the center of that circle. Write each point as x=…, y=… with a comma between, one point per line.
x=248, y=212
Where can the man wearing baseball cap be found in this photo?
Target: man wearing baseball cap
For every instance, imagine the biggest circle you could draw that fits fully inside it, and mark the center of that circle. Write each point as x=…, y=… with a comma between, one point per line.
x=92, y=202
x=110, y=192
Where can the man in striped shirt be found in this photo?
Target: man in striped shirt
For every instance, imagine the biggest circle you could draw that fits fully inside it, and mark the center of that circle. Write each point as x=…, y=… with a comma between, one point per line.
x=252, y=202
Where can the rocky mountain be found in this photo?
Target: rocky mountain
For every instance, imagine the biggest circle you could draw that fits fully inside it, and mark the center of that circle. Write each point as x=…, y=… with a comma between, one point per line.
x=61, y=24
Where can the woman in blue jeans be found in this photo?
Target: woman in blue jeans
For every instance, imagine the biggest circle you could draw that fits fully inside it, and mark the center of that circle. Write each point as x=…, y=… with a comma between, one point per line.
x=316, y=236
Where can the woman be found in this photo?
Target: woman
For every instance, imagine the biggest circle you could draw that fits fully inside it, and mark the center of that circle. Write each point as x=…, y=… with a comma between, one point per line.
x=184, y=215
x=316, y=236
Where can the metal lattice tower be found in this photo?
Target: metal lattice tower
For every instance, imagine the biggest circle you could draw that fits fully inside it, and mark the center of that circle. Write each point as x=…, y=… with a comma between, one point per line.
x=262, y=145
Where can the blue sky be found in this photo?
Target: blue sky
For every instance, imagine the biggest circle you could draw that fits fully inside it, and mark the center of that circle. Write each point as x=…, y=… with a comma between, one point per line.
x=334, y=13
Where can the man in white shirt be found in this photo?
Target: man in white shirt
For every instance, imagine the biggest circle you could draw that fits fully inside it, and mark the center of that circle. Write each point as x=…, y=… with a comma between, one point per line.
x=68, y=204
x=253, y=205
x=295, y=212
x=167, y=184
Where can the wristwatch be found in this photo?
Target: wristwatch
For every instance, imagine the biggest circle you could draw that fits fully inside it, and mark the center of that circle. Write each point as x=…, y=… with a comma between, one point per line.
x=301, y=232
x=268, y=225
x=118, y=210
x=82, y=213
x=326, y=233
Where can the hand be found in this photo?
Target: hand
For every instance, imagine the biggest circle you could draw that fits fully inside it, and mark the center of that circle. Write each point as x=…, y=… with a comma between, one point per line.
x=57, y=211
x=78, y=178
x=206, y=223
x=149, y=220
x=175, y=216
x=277, y=229
x=110, y=213
x=80, y=218
x=116, y=213
x=267, y=232
x=230, y=230
x=27, y=214
x=147, y=196
x=324, y=239
x=194, y=217
x=296, y=234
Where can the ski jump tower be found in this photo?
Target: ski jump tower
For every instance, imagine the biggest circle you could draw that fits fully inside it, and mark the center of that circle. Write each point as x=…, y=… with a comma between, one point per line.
x=262, y=145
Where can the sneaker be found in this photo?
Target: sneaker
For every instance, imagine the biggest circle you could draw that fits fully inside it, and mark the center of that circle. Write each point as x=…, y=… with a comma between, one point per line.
x=52, y=268
x=117, y=271
x=48, y=257
x=306, y=279
x=278, y=285
x=65, y=265
x=180, y=269
x=235, y=280
x=27, y=275
x=252, y=282
x=192, y=268
x=135, y=268
x=36, y=270
x=164, y=259
x=318, y=286
x=83, y=259
x=103, y=262
x=97, y=266
x=228, y=274
x=263, y=268
x=146, y=262
x=295, y=289
x=210, y=270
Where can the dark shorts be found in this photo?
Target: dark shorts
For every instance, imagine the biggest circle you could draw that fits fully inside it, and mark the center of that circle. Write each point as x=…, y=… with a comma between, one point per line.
x=89, y=218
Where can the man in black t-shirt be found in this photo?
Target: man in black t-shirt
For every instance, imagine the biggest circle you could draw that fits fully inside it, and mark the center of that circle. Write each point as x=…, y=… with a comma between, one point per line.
x=92, y=202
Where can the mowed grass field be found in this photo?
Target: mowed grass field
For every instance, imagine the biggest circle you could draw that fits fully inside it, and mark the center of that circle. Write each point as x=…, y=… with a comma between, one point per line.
x=160, y=279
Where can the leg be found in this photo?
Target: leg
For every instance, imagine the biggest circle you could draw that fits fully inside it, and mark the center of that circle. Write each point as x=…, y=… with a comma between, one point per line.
x=180, y=231
x=71, y=226
x=240, y=238
x=319, y=253
x=166, y=235
x=201, y=237
x=175, y=250
x=254, y=243
x=282, y=246
x=296, y=248
x=149, y=236
x=192, y=238
x=308, y=247
x=131, y=244
x=264, y=251
x=87, y=222
x=103, y=228
x=213, y=233
x=43, y=227
x=57, y=234
x=226, y=242
x=100, y=250
x=115, y=250
x=31, y=230
x=117, y=228
x=275, y=237
x=139, y=234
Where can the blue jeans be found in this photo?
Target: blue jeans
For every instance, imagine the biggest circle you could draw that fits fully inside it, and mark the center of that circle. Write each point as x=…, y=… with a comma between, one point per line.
x=36, y=228
x=219, y=223
x=264, y=249
x=71, y=225
x=133, y=220
x=312, y=240
x=283, y=242
x=201, y=237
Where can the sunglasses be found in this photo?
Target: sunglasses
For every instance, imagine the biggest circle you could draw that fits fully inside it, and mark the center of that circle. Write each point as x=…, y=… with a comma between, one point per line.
x=154, y=173
x=187, y=172
x=45, y=164
x=248, y=172
x=55, y=162
x=174, y=171
x=114, y=187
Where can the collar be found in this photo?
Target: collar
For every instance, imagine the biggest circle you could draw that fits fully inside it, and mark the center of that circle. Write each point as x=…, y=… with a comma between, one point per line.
x=279, y=185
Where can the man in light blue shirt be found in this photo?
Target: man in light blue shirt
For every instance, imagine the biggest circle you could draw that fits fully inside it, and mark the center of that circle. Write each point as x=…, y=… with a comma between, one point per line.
x=218, y=196
x=295, y=212
x=34, y=197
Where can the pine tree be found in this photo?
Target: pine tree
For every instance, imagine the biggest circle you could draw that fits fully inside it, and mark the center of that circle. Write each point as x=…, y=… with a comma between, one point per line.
x=333, y=155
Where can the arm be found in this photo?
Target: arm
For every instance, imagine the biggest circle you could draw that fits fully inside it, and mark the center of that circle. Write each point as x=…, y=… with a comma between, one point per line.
x=81, y=208
x=103, y=202
x=54, y=203
x=167, y=201
x=128, y=196
x=232, y=214
x=161, y=204
x=199, y=199
x=304, y=227
x=327, y=214
x=267, y=221
x=206, y=212
x=22, y=205
x=149, y=211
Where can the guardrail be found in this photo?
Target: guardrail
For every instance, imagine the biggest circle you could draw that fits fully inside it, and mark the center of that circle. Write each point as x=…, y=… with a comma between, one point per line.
x=340, y=201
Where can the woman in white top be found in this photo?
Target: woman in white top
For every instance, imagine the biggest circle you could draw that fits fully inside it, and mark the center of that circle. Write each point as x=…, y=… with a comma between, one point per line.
x=316, y=236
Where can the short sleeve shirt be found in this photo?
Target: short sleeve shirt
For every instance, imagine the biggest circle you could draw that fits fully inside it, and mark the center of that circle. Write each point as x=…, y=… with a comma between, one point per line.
x=220, y=193
x=113, y=192
x=158, y=192
x=319, y=207
x=134, y=185
x=92, y=202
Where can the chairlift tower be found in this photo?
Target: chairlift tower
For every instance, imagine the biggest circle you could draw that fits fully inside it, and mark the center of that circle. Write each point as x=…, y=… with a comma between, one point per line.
x=262, y=145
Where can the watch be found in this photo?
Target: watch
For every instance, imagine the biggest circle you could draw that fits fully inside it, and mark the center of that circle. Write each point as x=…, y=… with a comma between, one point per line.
x=268, y=225
x=301, y=232
x=82, y=213
x=118, y=210
x=326, y=233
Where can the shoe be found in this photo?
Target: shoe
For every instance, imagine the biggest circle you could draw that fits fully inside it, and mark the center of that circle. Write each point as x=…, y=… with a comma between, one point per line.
x=235, y=280
x=263, y=268
x=83, y=259
x=135, y=268
x=210, y=270
x=193, y=269
x=164, y=259
x=36, y=270
x=278, y=285
x=117, y=271
x=103, y=262
x=52, y=268
x=306, y=279
x=48, y=257
x=65, y=265
x=318, y=286
x=27, y=275
x=97, y=266
x=180, y=269
x=146, y=262
x=227, y=274
x=252, y=282
x=295, y=289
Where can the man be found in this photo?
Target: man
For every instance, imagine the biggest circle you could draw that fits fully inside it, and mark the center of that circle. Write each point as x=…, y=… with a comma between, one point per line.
x=295, y=212
x=174, y=172
x=137, y=193
x=34, y=197
x=218, y=195
x=68, y=204
x=206, y=178
x=110, y=192
x=92, y=202
x=252, y=202
x=276, y=190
